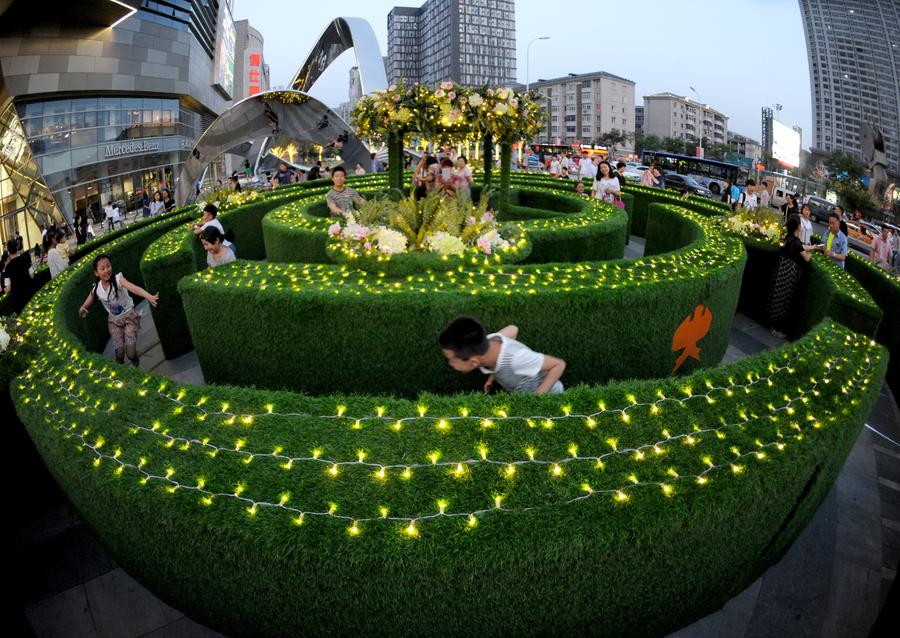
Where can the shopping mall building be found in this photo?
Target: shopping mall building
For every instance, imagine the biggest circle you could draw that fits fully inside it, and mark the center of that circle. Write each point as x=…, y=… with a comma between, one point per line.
x=112, y=95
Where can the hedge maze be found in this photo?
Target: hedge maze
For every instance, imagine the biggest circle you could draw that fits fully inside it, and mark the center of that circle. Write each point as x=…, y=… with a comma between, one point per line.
x=336, y=476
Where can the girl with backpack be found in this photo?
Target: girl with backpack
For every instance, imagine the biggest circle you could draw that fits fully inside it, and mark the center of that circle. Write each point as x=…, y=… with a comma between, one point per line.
x=123, y=321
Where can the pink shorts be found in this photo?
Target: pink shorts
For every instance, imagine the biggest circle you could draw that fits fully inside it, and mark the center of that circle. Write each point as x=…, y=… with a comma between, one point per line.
x=124, y=328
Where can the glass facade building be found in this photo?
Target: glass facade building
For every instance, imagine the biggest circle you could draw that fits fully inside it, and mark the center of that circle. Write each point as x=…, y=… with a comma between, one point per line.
x=854, y=67
x=120, y=147
x=472, y=42
x=110, y=114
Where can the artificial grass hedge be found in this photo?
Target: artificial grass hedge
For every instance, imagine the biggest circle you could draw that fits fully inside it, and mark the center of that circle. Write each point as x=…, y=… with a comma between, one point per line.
x=561, y=227
x=826, y=290
x=643, y=566
x=385, y=328
x=885, y=291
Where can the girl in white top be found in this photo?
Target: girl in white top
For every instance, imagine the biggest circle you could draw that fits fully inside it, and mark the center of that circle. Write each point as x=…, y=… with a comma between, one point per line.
x=554, y=166
x=606, y=184
x=217, y=253
x=123, y=320
x=462, y=177
x=55, y=258
x=157, y=206
x=805, y=224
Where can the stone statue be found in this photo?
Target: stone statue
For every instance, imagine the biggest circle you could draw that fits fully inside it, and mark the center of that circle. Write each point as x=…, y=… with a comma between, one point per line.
x=872, y=142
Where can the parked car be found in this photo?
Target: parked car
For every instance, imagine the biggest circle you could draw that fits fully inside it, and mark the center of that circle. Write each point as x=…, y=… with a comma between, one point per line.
x=860, y=235
x=820, y=209
x=682, y=183
x=779, y=196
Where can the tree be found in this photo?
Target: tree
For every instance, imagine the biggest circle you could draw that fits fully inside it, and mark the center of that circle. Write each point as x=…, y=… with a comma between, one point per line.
x=613, y=138
x=844, y=167
x=716, y=151
x=643, y=142
x=673, y=145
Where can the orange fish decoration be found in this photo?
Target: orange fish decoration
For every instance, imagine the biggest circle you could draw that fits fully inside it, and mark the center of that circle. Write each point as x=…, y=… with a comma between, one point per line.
x=691, y=330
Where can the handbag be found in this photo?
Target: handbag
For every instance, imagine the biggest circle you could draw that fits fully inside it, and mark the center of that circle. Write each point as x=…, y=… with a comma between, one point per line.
x=618, y=202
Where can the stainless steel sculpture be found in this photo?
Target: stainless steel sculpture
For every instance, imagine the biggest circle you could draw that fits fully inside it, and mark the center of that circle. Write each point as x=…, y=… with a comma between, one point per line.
x=872, y=142
x=340, y=35
x=27, y=189
x=291, y=113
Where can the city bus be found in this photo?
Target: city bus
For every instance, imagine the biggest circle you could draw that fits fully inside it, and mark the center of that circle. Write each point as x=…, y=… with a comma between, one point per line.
x=709, y=173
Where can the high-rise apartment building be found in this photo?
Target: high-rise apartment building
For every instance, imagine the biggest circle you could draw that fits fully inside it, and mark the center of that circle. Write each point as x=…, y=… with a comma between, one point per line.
x=670, y=115
x=854, y=69
x=472, y=42
x=583, y=107
x=251, y=73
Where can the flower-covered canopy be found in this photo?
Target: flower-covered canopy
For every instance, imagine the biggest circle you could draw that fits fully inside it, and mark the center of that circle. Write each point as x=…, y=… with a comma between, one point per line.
x=449, y=113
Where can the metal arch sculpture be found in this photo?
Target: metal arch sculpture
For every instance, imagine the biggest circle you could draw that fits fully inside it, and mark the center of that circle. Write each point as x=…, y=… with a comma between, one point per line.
x=340, y=35
x=293, y=111
x=260, y=116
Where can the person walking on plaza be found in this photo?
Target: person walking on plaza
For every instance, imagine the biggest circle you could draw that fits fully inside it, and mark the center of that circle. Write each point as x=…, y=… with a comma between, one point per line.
x=284, y=175
x=835, y=245
x=660, y=176
x=462, y=177
x=806, y=224
x=564, y=165
x=894, y=240
x=606, y=186
x=554, y=166
x=57, y=260
x=17, y=281
x=110, y=218
x=725, y=198
x=789, y=207
x=168, y=202
x=762, y=195
x=648, y=179
x=586, y=168
x=880, y=250
x=842, y=219
x=145, y=204
x=620, y=174
x=748, y=198
x=123, y=321
x=157, y=206
x=793, y=260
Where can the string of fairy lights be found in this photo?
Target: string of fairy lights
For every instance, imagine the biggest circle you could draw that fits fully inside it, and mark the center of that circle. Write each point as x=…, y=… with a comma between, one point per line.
x=72, y=376
x=619, y=494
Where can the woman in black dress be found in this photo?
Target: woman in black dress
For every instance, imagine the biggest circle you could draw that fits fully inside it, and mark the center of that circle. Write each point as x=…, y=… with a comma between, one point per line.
x=793, y=262
x=17, y=281
x=790, y=206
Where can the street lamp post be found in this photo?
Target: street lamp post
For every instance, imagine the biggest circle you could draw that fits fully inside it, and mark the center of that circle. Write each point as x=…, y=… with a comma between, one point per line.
x=700, y=99
x=528, y=61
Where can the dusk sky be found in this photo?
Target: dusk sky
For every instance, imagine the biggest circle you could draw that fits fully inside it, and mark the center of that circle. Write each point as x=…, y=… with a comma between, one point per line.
x=740, y=55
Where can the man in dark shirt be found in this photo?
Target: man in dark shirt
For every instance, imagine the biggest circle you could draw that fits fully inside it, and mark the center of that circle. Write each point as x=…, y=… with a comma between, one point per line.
x=842, y=218
x=284, y=175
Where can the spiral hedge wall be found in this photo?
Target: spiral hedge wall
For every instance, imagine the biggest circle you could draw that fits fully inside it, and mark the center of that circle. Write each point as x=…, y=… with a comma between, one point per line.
x=632, y=508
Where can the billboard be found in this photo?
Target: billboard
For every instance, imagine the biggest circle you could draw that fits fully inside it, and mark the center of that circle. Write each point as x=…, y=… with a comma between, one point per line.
x=224, y=67
x=785, y=145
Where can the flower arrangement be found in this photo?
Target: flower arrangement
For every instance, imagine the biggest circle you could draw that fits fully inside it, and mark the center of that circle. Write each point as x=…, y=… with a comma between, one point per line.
x=436, y=224
x=224, y=199
x=449, y=113
x=758, y=223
